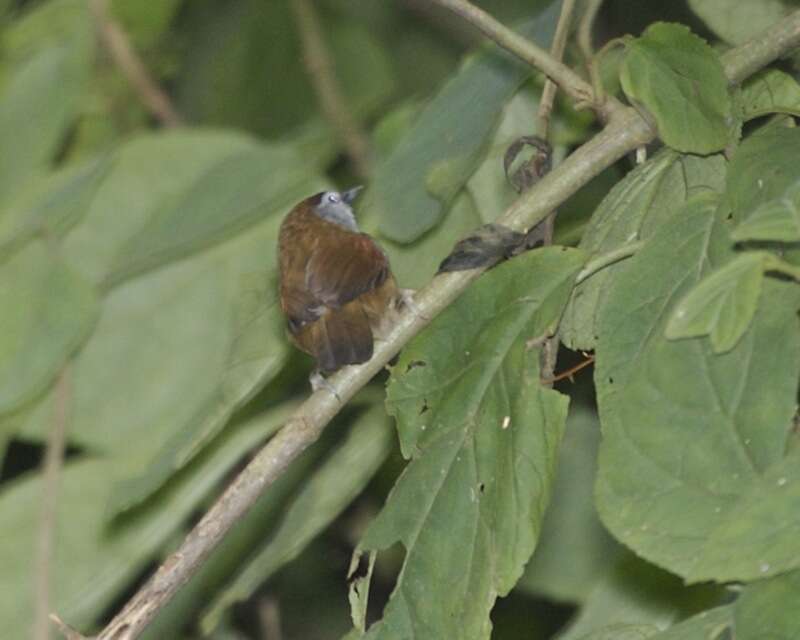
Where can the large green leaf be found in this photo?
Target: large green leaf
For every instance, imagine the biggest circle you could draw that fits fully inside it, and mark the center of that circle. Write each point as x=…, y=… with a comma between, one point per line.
x=170, y=195
x=680, y=80
x=571, y=527
x=206, y=330
x=92, y=561
x=328, y=489
x=634, y=209
x=692, y=472
x=49, y=52
x=774, y=220
x=767, y=609
x=415, y=185
x=722, y=304
x=736, y=21
x=46, y=312
x=482, y=434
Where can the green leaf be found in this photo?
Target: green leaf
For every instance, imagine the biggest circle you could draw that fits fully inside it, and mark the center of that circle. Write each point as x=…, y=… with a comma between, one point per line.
x=329, y=488
x=680, y=80
x=767, y=609
x=636, y=594
x=722, y=304
x=482, y=434
x=634, y=209
x=448, y=140
x=735, y=21
x=571, y=527
x=775, y=220
x=708, y=625
x=49, y=53
x=692, y=440
x=172, y=194
x=52, y=204
x=200, y=330
x=623, y=632
x=93, y=561
x=770, y=91
x=46, y=312
x=764, y=168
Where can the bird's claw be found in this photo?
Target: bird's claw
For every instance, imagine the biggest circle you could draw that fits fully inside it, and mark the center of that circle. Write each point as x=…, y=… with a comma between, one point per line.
x=406, y=301
x=318, y=381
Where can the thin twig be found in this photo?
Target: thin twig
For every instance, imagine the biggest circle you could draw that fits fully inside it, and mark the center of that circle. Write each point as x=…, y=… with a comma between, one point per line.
x=569, y=372
x=68, y=632
x=624, y=132
x=585, y=29
x=269, y=617
x=549, y=355
x=123, y=54
x=48, y=508
x=566, y=79
x=319, y=64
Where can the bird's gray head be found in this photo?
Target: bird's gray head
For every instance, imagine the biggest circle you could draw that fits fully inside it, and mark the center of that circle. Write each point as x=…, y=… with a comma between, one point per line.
x=335, y=207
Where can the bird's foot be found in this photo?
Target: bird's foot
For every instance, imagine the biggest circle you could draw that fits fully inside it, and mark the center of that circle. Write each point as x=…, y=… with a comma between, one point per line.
x=318, y=381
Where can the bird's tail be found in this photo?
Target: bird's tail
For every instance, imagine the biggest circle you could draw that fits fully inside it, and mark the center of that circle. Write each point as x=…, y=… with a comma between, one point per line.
x=340, y=337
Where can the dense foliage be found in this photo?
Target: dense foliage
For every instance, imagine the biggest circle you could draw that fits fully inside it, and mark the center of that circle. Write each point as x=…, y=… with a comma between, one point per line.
x=138, y=308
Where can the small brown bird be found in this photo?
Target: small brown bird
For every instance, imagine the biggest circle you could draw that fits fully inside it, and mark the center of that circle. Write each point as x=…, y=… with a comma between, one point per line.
x=335, y=282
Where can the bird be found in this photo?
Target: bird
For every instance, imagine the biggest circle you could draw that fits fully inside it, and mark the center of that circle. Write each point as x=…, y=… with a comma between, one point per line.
x=336, y=287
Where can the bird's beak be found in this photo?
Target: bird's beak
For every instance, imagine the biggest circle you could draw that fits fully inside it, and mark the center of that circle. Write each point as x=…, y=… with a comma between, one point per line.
x=351, y=194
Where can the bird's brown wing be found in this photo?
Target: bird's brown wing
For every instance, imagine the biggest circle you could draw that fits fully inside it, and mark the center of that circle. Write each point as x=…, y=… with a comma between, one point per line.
x=341, y=271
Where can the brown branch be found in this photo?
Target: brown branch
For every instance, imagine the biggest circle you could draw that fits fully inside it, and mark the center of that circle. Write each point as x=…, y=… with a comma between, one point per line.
x=319, y=64
x=585, y=29
x=567, y=80
x=119, y=47
x=624, y=132
x=569, y=372
x=48, y=508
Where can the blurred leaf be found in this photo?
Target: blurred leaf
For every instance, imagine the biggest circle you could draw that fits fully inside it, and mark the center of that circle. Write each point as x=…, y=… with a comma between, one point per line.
x=763, y=168
x=250, y=53
x=206, y=330
x=327, y=490
x=571, y=528
x=767, y=609
x=634, y=209
x=669, y=66
x=634, y=593
x=770, y=91
x=49, y=53
x=145, y=21
x=52, y=204
x=469, y=505
x=623, y=632
x=94, y=561
x=694, y=441
x=735, y=21
x=721, y=305
x=449, y=139
x=46, y=312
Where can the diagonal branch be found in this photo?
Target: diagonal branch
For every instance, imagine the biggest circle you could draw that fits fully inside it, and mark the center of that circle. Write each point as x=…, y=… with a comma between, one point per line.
x=625, y=131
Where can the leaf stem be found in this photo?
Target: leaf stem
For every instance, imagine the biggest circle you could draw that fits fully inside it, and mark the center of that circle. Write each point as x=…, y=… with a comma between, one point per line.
x=625, y=131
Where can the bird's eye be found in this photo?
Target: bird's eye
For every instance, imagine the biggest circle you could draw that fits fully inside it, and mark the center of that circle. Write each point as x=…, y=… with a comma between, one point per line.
x=333, y=197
